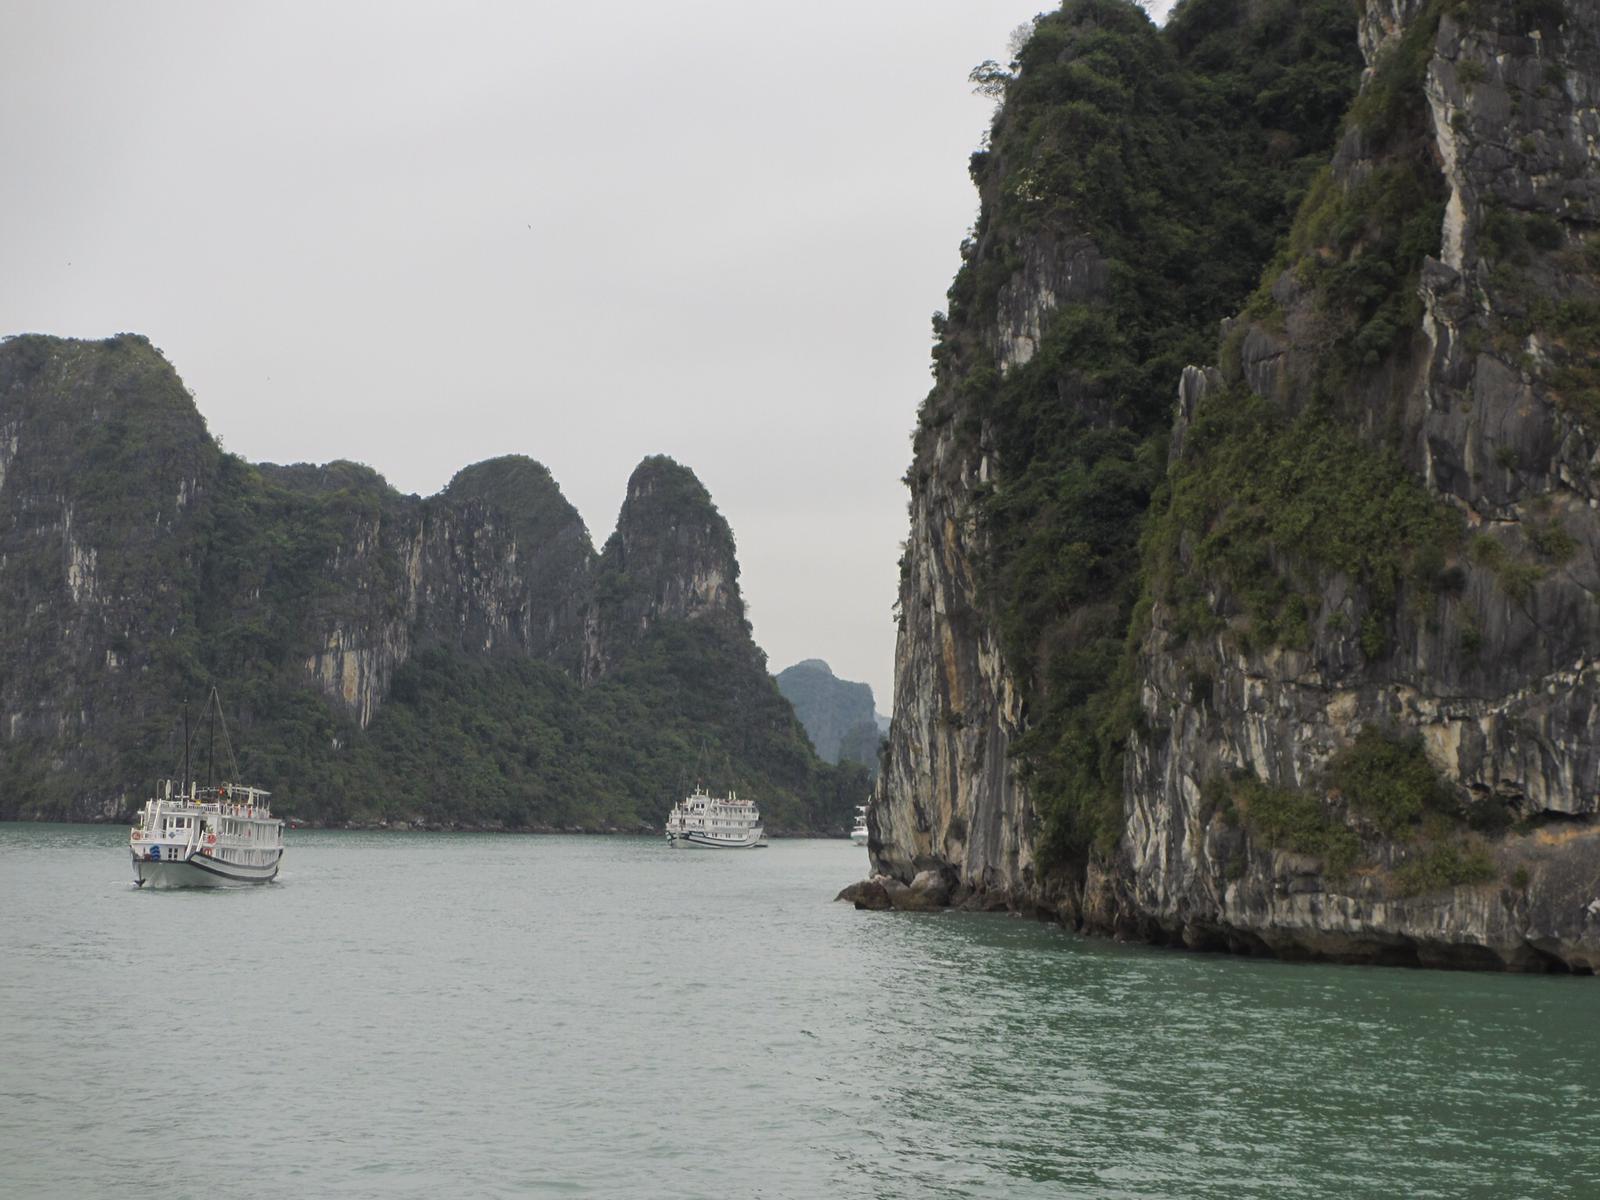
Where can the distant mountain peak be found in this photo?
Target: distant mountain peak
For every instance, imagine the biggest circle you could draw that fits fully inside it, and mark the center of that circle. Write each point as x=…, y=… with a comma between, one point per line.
x=839, y=716
x=812, y=664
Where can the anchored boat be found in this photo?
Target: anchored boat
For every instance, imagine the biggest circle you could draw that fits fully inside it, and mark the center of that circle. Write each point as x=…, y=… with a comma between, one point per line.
x=188, y=835
x=206, y=837
x=858, y=834
x=708, y=822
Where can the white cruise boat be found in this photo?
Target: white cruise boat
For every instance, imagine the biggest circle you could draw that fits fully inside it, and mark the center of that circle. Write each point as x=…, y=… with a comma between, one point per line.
x=212, y=836
x=206, y=837
x=710, y=822
x=858, y=834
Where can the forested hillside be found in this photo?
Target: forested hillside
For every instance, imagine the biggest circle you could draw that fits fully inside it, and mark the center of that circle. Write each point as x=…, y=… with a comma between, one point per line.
x=464, y=659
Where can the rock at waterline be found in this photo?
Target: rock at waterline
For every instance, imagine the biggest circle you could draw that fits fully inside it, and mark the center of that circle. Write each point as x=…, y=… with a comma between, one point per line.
x=933, y=887
x=884, y=892
x=868, y=894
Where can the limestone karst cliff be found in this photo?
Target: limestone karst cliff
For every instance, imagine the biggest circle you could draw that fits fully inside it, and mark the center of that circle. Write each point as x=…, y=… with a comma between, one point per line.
x=671, y=558
x=465, y=658
x=839, y=716
x=1305, y=665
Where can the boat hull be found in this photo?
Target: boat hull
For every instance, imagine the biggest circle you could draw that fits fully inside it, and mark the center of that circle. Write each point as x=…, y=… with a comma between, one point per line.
x=200, y=870
x=698, y=841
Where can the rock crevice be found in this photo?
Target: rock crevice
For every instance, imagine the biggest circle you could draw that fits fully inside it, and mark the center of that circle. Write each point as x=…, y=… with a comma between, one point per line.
x=1494, y=669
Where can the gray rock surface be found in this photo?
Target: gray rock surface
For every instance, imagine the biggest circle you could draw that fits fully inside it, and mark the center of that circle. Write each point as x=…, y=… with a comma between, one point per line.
x=868, y=894
x=1517, y=136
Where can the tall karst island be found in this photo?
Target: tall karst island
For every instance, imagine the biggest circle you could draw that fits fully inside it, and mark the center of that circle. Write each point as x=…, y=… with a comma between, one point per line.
x=464, y=660
x=1251, y=598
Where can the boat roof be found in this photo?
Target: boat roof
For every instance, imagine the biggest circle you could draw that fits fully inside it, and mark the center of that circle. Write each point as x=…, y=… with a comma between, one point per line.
x=732, y=797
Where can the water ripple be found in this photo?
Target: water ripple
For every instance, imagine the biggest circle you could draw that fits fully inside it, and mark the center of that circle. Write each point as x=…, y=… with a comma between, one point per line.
x=409, y=1015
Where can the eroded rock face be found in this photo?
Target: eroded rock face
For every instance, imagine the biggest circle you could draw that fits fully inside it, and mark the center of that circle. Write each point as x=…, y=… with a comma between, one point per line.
x=949, y=796
x=497, y=563
x=136, y=558
x=1053, y=273
x=92, y=571
x=1513, y=718
x=948, y=793
x=670, y=558
x=1501, y=679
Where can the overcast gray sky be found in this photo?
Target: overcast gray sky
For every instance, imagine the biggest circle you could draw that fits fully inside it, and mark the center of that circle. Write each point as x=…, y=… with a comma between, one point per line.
x=420, y=235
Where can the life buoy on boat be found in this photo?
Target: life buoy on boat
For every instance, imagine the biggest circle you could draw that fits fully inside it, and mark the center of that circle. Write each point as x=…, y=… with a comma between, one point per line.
x=137, y=835
x=211, y=839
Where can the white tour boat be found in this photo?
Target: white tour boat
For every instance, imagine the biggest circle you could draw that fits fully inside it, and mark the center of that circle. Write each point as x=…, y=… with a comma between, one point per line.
x=715, y=822
x=212, y=836
x=206, y=837
x=858, y=835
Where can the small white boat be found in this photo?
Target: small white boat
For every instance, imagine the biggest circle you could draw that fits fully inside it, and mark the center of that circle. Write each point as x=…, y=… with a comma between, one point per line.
x=205, y=837
x=703, y=821
x=212, y=836
x=858, y=835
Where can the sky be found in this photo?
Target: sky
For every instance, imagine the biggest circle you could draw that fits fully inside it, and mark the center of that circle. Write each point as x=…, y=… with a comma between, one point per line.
x=421, y=235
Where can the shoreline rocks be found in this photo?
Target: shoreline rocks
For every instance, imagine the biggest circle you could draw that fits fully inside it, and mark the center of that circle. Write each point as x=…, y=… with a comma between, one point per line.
x=929, y=892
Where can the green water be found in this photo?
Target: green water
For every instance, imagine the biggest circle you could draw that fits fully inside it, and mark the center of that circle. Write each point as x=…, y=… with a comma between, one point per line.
x=464, y=1015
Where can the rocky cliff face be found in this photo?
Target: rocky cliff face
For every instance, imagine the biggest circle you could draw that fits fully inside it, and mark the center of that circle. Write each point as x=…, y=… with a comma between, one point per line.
x=1032, y=403
x=104, y=473
x=671, y=558
x=948, y=797
x=1464, y=379
x=139, y=564
x=497, y=563
x=1495, y=672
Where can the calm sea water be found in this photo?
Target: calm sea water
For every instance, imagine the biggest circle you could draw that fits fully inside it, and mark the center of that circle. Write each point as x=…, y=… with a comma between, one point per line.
x=469, y=1015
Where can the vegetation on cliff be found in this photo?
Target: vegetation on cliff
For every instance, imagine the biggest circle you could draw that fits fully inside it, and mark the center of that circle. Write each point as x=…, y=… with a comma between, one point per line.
x=1386, y=796
x=1279, y=500
x=1182, y=153
x=1194, y=159
x=1258, y=491
x=515, y=743
x=93, y=436
x=140, y=564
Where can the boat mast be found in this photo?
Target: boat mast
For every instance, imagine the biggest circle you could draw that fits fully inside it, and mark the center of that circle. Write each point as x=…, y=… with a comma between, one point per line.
x=186, y=747
x=211, y=748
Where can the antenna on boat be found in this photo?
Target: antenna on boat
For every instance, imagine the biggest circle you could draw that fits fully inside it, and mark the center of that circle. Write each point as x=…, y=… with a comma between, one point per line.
x=699, y=761
x=217, y=717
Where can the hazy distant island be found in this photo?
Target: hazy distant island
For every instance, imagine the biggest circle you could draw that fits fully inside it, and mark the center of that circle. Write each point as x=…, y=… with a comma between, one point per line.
x=840, y=717
x=464, y=660
x=1248, y=601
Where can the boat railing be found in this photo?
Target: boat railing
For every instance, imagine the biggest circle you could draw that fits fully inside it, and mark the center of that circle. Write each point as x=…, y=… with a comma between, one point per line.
x=213, y=809
x=173, y=791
